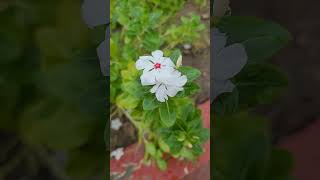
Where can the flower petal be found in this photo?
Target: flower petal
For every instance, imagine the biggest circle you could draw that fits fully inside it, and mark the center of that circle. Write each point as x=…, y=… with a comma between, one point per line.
x=148, y=78
x=229, y=62
x=157, y=54
x=161, y=94
x=155, y=88
x=144, y=62
x=167, y=63
x=173, y=90
x=181, y=81
x=95, y=12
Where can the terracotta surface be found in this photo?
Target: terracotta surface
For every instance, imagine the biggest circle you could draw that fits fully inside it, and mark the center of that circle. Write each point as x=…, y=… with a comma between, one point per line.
x=305, y=147
x=176, y=169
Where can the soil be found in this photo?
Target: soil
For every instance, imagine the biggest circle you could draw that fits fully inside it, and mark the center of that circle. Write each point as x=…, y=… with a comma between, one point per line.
x=197, y=56
x=300, y=60
x=123, y=137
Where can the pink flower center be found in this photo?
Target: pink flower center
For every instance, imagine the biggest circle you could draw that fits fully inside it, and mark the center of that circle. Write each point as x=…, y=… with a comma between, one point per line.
x=157, y=66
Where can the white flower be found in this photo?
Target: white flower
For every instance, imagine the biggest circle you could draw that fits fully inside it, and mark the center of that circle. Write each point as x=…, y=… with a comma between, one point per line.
x=153, y=66
x=227, y=62
x=168, y=83
x=117, y=154
x=160, y=71
x=116, y=124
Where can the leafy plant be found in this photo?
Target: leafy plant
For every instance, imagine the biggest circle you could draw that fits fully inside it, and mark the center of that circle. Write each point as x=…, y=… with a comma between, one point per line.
x=241, y=138
x=137, y=28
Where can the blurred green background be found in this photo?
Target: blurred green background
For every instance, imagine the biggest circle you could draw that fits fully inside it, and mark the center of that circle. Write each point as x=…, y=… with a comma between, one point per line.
x=53, y=97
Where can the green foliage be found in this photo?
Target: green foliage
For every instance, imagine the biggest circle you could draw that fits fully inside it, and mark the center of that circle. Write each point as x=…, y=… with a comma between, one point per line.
x=188, y=31
x=138, y=28
x=191, y=73
x=262, y=39
x=243, y=150
x=242, y=140
x=259, y=82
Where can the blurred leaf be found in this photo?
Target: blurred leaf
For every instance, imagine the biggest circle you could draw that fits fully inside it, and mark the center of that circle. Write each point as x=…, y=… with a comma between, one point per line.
x=150, y=103
x=260, y=38
x=167, y=114
x=191, y=73
x=227, y=103
x=241, y=147
x=162, y=164
x=152, y=41
x=259, y=84
x=127, y=101
x=150, y=148
x=55, y=125
x=175, y=56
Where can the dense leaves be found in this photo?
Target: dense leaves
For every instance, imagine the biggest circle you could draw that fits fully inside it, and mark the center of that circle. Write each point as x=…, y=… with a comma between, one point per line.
x=244, y=152
x=137, y=29
x=242, y=145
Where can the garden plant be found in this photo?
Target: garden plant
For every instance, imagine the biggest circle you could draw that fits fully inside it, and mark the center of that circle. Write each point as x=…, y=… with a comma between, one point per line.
x=150, y=86
x=242, y=80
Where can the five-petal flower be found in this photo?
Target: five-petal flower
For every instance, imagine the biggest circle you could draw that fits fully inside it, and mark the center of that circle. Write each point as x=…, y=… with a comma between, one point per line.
x=160, y=71
x=153, y=66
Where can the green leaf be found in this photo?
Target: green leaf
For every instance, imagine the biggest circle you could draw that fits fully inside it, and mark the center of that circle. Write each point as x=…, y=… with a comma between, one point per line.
x=150, y=148
x=261, y=48
x=242, y=28
x=162, y=164
x=152, y=41
x=191, y=89
x=164, y=146
x=242, y=147
x=191, y=73
x=150, y=103
x=226, y=103
x=133, y=88
x=59, y=128
x=174, y=144
x=260, y=38
x=175, y=55
x=187, y=153
x=150, y=117
x=167, y=115
x=259, y=84
x=127, y=101
x=114, y=49
x=184, y=108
